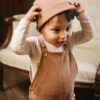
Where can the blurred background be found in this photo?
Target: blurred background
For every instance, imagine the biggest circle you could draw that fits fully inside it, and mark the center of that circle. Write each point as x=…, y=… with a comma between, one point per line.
x=17, y=88
x=9, y=8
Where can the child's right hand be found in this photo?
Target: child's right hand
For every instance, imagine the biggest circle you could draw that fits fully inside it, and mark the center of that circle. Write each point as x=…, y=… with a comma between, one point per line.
x=33, y=13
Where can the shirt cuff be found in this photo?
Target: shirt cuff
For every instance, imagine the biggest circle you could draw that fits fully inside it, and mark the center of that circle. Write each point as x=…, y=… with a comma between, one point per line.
x=25, y=21
x=83, y=16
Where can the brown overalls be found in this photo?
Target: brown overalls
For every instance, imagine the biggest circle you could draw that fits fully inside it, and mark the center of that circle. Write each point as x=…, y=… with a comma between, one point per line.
x=55, y=77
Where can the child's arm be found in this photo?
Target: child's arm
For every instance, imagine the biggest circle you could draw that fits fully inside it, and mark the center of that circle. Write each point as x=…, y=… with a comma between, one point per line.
x=19, y=43
x=87, y=32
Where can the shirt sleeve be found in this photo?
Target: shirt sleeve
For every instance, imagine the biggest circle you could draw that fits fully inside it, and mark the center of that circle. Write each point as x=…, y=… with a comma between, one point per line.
x=87, y=31
x=19, y=43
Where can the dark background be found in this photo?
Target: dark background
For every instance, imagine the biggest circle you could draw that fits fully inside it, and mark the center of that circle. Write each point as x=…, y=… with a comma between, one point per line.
x=9, y=8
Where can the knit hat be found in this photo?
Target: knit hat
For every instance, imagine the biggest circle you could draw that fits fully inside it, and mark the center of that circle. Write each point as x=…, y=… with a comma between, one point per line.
x=50, y=8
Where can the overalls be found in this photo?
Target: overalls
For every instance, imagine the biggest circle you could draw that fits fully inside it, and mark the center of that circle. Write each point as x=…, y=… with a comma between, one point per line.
x=55, y=77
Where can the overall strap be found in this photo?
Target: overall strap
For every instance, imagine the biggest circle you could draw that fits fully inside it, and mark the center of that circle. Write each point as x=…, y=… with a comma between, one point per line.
x=67, y=47
x=42, y=45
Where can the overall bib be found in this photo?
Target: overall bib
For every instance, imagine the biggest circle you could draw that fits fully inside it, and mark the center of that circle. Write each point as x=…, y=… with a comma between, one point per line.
x=55, y=77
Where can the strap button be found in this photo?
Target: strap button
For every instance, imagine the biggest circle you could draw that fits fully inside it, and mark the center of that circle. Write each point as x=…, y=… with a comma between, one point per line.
x=45, y=54
x=43, y=45
x=32, y=92
x=37, y=64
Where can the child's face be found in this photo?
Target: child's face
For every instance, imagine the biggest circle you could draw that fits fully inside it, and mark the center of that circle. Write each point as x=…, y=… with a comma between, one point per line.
x=56, y=31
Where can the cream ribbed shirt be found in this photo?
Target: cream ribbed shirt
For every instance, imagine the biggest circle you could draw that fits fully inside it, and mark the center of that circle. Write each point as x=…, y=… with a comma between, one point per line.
x=30, y=45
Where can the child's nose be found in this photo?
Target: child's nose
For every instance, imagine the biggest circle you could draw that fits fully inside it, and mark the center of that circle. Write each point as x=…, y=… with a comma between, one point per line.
x=63, y=35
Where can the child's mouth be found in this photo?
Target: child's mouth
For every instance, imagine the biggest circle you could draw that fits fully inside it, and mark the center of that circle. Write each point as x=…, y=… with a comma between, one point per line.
x=61, y=42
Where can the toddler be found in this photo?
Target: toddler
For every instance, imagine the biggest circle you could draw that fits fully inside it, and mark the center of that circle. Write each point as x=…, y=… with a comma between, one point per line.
x=53, y=67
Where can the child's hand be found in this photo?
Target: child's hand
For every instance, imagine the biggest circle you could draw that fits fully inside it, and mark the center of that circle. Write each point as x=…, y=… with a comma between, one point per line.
x=79, y=8
x=33, y=14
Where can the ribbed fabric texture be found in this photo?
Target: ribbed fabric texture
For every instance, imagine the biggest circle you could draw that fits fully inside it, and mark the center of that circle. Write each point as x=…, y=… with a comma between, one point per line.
x=51, y=8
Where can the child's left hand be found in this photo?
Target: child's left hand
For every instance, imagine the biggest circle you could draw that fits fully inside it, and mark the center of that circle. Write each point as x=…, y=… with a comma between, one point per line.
x=79, y=8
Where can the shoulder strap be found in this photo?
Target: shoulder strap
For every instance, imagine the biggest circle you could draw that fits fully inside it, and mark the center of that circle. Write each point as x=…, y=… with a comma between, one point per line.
x=42, y=44
x=44, y=48
x=67, y=45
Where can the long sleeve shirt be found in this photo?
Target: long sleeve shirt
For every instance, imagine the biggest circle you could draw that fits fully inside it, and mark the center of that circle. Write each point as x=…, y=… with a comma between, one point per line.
x=21, y=44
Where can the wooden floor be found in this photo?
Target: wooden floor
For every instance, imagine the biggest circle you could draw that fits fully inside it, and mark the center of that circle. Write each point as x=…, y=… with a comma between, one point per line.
x=16, y=88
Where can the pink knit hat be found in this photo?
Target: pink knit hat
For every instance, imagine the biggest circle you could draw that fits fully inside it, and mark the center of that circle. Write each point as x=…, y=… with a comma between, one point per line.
x=51, y=8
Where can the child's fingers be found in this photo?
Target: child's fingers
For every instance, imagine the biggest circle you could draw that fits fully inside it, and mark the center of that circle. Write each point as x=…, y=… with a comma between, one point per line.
x=76, y=3
x=35, y=8
x=70, y=2
x=33, y=13
x=36, y=14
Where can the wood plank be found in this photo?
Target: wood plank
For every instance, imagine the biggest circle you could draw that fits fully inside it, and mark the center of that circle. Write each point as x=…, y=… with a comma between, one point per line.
x=3, y=96
x=15, y=86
